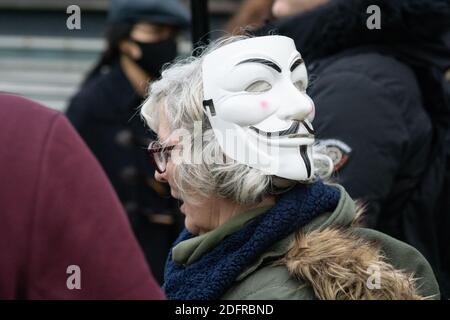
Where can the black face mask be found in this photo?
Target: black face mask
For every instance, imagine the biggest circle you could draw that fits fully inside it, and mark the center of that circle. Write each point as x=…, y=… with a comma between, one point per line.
x=155, y=55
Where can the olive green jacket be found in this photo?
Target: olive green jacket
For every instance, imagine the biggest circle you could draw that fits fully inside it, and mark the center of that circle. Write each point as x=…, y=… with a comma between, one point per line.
x=330, y=258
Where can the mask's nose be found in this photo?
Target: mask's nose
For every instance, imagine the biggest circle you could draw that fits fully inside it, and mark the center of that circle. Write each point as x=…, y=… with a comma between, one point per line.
x=296, y=105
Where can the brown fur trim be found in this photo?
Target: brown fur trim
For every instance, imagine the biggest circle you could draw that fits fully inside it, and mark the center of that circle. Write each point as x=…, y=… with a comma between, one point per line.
x=339, y=264
x=360, y=208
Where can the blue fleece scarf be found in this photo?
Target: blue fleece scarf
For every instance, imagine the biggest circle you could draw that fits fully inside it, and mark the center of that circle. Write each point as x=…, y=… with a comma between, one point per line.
x=213, y=274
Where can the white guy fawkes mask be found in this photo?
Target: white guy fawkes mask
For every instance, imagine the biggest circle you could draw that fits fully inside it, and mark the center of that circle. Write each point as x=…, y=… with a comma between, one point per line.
x=255, y=100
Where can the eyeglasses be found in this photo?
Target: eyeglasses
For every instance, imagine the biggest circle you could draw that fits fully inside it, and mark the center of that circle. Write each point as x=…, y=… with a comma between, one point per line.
x=159, y=155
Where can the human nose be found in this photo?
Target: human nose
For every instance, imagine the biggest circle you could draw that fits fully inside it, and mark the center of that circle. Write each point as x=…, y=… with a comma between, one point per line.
x=296, y=106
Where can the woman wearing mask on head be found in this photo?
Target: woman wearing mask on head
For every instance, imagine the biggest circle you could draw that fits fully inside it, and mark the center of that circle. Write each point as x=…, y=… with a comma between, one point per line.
x=141, y=38
x=259, y=222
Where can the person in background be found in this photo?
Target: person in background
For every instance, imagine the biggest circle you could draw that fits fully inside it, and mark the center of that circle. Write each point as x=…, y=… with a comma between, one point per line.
x=63, y=231
x=383, y=109
x=251, y=15
x=141, y=38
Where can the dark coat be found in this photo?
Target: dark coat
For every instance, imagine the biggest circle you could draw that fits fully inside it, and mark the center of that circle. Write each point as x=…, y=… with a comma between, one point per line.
x=379, y=93
x=105, y=113
x=57, y=209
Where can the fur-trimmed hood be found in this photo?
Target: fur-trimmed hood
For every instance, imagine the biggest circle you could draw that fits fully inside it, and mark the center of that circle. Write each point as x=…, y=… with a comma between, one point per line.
x=341, y=24
x=341, y=265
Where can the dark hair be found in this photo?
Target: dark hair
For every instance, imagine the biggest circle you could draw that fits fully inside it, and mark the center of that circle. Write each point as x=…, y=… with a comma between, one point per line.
x=115, y=33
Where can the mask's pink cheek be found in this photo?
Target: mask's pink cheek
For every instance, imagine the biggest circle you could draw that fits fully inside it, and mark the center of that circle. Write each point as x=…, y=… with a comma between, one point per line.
x=264, y=104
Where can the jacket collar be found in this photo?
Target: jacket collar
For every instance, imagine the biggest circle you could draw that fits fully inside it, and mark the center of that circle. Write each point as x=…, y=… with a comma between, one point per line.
x=190, y=250
x=343, y=216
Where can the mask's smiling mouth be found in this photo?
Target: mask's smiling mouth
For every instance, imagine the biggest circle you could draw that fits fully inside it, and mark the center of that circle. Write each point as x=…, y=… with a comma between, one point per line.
x=291, y=132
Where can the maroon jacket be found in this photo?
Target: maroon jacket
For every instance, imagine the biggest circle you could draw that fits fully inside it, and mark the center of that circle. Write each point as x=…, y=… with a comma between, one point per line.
x=57, y=209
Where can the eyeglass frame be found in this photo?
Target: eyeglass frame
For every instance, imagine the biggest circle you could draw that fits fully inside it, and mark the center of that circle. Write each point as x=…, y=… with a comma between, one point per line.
x=152, y=151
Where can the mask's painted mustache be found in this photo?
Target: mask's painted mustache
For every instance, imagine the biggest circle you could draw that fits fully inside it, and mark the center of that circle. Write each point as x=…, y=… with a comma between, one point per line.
x=308, y=128
x=292, y=131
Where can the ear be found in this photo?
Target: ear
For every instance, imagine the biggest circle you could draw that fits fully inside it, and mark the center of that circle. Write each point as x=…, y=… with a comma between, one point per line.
x=130, y=49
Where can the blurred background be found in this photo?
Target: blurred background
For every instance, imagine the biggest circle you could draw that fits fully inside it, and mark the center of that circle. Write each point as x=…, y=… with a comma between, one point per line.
x=40, y=58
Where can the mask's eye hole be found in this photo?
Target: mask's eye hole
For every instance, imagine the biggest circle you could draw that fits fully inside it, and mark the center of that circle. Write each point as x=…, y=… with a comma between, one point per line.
x=300, y=85
x=259, y=86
